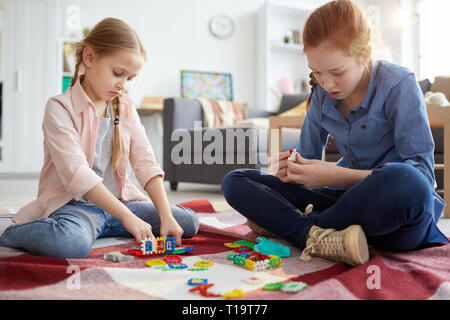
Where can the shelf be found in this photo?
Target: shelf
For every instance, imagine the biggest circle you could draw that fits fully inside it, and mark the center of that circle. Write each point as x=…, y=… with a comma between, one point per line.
x=288, y=48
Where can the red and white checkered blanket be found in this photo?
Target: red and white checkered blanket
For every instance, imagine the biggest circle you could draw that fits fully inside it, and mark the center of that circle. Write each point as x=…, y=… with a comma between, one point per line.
x=421, y=274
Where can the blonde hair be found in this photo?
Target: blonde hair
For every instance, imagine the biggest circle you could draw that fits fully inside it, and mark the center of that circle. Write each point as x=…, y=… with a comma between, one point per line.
x=343, y=24
x=108, y=36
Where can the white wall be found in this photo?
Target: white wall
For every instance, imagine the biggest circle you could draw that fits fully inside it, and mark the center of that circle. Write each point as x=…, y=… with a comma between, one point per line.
x=176, y=36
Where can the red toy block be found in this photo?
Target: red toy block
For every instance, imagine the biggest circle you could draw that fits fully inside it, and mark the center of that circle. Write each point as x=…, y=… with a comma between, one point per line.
x=173, y=259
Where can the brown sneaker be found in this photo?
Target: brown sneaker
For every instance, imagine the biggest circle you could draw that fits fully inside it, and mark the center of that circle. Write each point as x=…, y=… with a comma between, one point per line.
x=348, y=245
x=263, y=232
x=259, y=230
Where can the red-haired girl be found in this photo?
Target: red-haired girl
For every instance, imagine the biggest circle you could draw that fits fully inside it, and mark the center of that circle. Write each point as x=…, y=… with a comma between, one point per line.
x=382, y=191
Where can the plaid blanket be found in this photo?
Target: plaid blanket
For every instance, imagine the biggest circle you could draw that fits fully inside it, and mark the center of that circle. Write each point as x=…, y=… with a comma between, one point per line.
x=421, y=274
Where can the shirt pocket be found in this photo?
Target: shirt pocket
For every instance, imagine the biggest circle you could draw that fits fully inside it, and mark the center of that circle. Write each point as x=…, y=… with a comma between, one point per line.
x=370, y=131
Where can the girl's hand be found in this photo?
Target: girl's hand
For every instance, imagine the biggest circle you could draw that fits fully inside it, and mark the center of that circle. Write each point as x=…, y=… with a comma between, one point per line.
x=137, y=227
x=278, y=165
x=170, y=226
x=311, y=173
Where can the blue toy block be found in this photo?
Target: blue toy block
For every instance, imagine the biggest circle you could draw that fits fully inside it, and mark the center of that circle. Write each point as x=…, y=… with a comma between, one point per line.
x=267, y=247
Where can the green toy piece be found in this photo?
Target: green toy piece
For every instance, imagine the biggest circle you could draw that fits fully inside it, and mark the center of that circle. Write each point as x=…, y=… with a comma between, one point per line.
x=267, y=247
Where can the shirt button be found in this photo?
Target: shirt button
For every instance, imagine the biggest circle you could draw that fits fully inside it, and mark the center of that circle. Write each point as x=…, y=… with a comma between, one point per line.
x=346, y=148
x=346, y=128
x=363, y=126
x=418, y=159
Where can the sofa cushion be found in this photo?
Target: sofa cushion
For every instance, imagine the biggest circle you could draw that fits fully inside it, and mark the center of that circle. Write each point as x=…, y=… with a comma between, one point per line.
x=441, y=84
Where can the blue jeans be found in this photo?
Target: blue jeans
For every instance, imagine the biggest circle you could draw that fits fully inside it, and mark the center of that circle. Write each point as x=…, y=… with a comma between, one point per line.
x=394, y=206
x=70, y=231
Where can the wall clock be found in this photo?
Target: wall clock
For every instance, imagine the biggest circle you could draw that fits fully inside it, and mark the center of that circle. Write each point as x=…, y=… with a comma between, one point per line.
x=221, y=26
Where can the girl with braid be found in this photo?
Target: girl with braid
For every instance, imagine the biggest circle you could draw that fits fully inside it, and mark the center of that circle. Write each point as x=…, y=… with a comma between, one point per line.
x=382, y=191
x=91, y=133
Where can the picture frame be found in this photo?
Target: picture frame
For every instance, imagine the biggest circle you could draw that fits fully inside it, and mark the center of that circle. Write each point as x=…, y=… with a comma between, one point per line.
x=210, y=85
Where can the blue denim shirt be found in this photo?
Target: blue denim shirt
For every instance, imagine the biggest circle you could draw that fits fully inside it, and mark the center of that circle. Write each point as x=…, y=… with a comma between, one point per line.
x=390, y=125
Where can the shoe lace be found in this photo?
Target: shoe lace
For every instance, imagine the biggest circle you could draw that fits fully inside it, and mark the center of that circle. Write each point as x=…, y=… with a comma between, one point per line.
x=330, y=245
x=308, y=210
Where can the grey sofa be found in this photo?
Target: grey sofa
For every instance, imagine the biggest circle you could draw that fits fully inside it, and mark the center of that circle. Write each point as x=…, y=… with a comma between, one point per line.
x=181, y=114
x=242, y=147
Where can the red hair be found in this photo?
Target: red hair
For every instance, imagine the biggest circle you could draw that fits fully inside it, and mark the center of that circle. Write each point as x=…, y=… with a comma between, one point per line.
x=342, y=24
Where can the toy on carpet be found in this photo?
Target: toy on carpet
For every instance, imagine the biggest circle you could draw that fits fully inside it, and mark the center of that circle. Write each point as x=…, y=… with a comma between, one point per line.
x=155, y=263
x=117, y=256
x=268, y=247
x=197, y=281
x=254, y=260
x=159, y=245
x=290, y=287
x=203, y=263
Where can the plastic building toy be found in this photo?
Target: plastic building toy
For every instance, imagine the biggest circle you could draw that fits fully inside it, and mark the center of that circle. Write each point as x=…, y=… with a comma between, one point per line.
x=177, y=265
x=253, y=280
x=294, y=287
x=274, y=286
x=236, y=293
x=203, y=290
x=173, y=259
x=232, y=245
x=242, y=259
x=198, y=269
x=293, y=154
x=197, y=281
x=117, y=256
x=155, y=262
x=159, y=245
x=242, y=249
x=268, y=247
x=203, y=263
x=180, y=250
x=162, y=268
x=245, y=243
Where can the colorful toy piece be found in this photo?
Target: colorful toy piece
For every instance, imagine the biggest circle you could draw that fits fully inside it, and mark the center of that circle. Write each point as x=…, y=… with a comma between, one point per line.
x=268, y=247
x=253, y=280
x=117, y=256
x=294, y=287
x=231, y=245
x=198, y=269
x=173, y=259
x=197, y=281
x=177, y=265
x=159, y=245
x=155, y=262
x=292, y=155
x=274, y=286
x=236, y=293
x=203, y=263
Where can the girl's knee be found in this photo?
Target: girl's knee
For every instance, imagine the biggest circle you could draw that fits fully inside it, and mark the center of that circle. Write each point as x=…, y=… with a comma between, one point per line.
x=188, y=221
x=76, y=245
x=229, y=181
x=406, y=183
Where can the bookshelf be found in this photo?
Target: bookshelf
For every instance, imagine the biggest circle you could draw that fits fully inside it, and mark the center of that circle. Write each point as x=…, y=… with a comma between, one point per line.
x=277, y=59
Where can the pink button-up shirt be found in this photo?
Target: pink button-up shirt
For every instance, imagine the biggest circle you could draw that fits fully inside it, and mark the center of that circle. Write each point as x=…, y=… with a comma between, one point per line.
x=70, y=132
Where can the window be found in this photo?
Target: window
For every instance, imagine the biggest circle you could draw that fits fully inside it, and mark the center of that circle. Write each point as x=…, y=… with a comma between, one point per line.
x=434, y=47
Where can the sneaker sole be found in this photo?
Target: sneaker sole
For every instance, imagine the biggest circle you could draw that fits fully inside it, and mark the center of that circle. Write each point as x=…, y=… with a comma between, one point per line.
x=259, y=230
x=361, y=254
